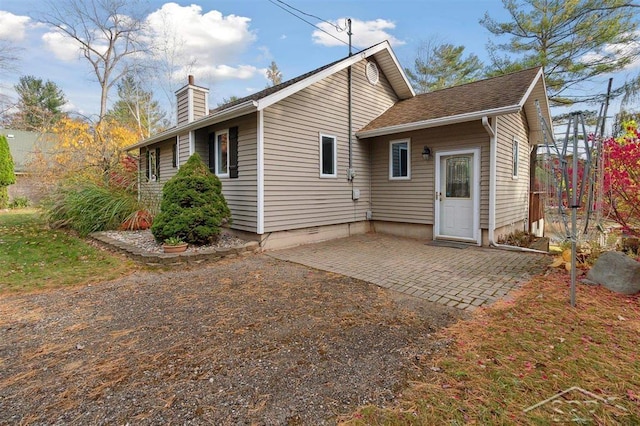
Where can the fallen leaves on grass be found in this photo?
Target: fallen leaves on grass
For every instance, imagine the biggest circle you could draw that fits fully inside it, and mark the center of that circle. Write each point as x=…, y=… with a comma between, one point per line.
x=515, y=354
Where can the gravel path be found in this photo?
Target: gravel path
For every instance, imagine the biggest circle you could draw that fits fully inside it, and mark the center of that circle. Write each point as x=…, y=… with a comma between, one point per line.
x=252, y=340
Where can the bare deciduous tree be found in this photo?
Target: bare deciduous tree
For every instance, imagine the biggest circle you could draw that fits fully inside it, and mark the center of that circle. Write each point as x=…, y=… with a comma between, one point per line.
x=107, y=32
x=273, y=74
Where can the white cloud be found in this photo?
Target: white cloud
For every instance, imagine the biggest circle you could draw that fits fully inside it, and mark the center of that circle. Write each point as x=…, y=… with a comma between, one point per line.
x=264, y=55
x=200, y=43
x=365, y=33
x=616, y=50
x=220, y=72
x=61, y=46
x=12, y=27
x=69, y=107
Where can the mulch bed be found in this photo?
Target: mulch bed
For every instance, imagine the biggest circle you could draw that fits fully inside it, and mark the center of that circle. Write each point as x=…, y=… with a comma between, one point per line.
x=251, y=340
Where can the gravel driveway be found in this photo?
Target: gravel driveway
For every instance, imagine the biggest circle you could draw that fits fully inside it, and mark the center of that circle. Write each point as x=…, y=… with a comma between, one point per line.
x=252, y=340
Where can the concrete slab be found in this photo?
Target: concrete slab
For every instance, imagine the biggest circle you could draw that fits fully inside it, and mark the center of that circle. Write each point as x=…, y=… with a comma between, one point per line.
x=466, y=278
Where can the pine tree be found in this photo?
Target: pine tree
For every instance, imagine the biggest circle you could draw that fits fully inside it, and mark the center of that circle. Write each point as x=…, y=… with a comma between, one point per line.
x=575, y=41
x=40, y=104
x=438, y=66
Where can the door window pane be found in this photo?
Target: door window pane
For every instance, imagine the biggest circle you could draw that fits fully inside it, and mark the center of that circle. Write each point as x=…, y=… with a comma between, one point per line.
x=458, y=177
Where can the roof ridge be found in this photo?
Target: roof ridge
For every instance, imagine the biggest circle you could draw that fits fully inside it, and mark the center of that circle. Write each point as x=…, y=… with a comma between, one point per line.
x=273, y=89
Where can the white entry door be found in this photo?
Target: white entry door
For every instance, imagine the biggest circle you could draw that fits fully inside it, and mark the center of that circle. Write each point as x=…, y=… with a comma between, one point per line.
x=457, y=194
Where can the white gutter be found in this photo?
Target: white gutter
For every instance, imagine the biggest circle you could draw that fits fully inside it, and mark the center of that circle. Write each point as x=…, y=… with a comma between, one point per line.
x=227, y=114
x=491, y=129
x=436, y=122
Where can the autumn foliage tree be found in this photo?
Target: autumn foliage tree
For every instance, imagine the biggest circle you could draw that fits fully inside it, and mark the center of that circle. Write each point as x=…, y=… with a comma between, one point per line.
x=622, y=178
x=79, y=147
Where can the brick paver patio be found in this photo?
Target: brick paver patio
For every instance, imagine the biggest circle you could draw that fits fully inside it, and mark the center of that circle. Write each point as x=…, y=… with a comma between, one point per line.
x=464, y=278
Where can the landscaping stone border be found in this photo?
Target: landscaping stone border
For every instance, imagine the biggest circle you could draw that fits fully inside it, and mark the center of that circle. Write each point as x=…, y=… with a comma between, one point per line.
x=174, y=259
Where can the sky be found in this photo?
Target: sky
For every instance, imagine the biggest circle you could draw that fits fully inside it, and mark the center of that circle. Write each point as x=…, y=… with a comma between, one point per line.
x=228, y=44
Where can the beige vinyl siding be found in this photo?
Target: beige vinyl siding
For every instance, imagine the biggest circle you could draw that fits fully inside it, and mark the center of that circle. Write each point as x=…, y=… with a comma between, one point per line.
x=512, y=195
x=183, y=147
x=199, y=105
x=412, y=201
x=240, y=193
x=295, y=195
x=167, y=171
x=182, y=107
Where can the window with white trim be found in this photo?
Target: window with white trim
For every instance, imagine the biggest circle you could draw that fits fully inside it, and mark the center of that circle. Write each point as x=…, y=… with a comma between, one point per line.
x=328, y=156
x=222, y=153
x=515, y=157
x=400, y=159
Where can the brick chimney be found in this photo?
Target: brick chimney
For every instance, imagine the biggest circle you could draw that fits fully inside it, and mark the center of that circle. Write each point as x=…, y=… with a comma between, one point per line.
x=192, y=102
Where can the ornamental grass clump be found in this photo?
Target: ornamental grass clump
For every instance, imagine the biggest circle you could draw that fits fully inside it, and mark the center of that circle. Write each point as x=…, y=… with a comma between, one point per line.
x=193, y=207
x=87, y=206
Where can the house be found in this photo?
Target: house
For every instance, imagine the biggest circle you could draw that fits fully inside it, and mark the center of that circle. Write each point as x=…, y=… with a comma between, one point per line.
x=23, y=146
x=349, y=148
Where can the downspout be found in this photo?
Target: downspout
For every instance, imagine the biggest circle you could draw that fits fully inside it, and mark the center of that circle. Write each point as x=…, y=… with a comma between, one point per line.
x=260, y=177
x=350, y=93
x=493, y=160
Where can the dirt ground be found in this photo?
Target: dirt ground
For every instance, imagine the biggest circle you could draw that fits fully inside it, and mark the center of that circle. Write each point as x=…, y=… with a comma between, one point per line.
x=251, y=340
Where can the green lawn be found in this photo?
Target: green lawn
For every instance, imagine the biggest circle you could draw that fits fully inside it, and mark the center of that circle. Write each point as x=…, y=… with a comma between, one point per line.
x=32, y=256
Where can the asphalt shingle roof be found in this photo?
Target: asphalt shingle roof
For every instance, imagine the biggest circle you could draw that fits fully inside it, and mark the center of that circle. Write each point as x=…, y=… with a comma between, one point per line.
x=503, y=91
x=273, y=89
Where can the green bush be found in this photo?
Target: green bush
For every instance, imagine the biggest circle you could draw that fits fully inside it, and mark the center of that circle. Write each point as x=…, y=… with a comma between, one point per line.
x=90, y=207
x=19, y=203
x=193, y=207
x=4, y=197
x=7, y=175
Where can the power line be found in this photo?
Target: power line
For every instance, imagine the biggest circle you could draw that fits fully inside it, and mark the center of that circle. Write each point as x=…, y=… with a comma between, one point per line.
x=337, y=27
x=310, y=23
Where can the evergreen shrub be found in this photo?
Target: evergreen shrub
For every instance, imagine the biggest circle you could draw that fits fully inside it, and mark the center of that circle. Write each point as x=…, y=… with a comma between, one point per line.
x=7, y=174
x=193, y=207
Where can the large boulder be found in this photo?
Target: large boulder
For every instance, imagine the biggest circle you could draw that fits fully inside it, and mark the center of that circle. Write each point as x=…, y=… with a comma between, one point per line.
x=617, y=272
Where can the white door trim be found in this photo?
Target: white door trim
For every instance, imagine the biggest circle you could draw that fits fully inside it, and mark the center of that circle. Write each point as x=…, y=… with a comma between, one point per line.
x=477, y=235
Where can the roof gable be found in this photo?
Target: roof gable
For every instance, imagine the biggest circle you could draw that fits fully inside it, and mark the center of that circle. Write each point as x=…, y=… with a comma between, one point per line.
x=494, y=96
x=381, y=52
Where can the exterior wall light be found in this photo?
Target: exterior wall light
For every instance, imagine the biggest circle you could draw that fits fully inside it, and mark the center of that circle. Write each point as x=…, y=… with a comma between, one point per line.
x=426, y=153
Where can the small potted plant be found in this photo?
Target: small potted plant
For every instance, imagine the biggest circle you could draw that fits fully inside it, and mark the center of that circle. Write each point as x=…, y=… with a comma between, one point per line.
x=174, y=245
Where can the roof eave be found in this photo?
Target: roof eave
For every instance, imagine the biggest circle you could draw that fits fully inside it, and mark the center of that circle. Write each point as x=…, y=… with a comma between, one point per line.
x=227, y=114
x=407, y=91
x=437, y=122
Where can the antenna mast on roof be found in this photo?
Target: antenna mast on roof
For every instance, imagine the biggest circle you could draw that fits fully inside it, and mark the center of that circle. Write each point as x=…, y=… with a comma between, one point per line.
x=349, y=33
x=350, y=171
